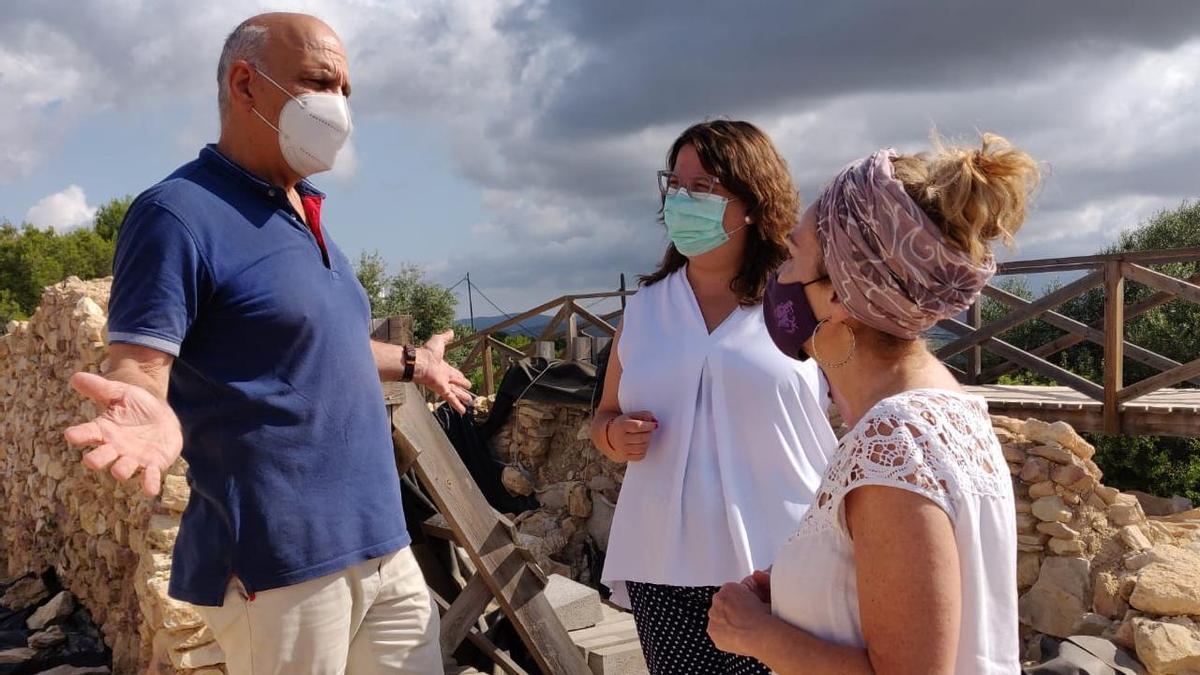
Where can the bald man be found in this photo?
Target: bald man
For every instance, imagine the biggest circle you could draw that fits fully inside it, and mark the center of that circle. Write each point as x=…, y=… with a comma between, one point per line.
x=240, y=337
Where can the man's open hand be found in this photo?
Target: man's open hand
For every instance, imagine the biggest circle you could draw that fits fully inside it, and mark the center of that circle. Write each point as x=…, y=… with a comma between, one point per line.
x=137, y=431
x=443, y=379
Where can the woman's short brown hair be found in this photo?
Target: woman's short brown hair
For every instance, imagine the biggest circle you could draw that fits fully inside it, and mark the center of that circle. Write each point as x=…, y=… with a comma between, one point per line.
x=749, y=166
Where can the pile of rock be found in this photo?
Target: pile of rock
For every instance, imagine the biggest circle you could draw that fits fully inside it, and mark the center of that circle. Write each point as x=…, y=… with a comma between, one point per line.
x=43, y=630
x=1090, y=561
x=109, y=546
x=548, y=454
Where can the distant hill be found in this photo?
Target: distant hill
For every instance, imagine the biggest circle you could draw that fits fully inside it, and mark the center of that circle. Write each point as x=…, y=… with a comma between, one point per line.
x=533, y=324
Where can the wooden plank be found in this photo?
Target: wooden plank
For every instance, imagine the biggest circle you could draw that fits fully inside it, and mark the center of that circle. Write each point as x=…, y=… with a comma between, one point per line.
x=436, y=526
x=488, y=542
x=1167, y=412
x=1033, y=310
x=499, y=657
x=507, y=349
x=1164, y=380
x=507, y=323
x=1040, y=366
x=1162, y=282
x=593, y=319
x=1114, y=344
x=463, y=613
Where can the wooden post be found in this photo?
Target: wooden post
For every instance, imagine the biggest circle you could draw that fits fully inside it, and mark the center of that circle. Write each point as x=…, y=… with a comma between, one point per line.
x=583, y=349
x=975, y=356
x=489, y=377
x=572, y=333
x=544, y=349
x=1114, y=348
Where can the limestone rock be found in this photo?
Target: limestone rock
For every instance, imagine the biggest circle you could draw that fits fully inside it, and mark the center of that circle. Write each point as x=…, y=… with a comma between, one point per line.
x=1125, y=511
x=58, y=608
x=1045, y=488
x=1059, y=597
x=51, y=637
x=1057, y=530
x=1106, y=596
x=1108, y=494
x=1060, y=433
x=1036, y=470
x=205, y=655
x=517, y=480
x=175, y=493
x=1161, y=506
x=578, y=503
x=1028, y=567
x=25, y=593
x=1092, y=624
x=1167, y=589
x=1055, y=453
x=1168, y=646
x=1051, y=509
x=1067, y=547
x=1134, y=538
x=17, y=655
x=1073, y=477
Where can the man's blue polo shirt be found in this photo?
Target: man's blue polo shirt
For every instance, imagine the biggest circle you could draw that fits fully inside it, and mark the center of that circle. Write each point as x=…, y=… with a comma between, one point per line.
x=285, y=432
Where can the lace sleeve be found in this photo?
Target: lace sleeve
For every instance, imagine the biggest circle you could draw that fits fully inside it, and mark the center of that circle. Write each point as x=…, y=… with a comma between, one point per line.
x=891, y=449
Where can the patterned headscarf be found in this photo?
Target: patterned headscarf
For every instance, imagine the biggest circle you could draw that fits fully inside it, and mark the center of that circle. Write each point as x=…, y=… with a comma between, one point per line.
x=889, y=263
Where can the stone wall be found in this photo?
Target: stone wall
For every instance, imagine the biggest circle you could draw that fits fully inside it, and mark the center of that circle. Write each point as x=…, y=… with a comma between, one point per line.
x=1089, y=561
x=548, y=452
x=109, y=545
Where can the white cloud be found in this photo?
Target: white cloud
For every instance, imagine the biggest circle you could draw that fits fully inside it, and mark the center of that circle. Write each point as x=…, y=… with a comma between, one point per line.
x=63, y=210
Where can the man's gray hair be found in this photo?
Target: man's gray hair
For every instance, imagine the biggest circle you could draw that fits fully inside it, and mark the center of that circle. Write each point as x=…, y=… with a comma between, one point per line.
x=246, y=42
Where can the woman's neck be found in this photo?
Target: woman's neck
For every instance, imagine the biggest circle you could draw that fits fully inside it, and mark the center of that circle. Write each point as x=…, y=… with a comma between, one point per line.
x=869, y=377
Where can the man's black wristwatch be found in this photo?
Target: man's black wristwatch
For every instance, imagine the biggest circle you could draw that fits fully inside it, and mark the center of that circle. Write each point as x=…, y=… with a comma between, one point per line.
x=410, y=363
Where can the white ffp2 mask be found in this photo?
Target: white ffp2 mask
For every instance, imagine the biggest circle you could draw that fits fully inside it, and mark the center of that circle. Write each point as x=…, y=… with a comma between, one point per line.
x=313, y=127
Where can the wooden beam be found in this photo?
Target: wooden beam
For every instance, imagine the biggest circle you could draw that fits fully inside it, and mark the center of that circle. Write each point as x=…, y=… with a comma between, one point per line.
x=1049, y=349
x=593, y=319
x=1037, y=365
x=489, y=374
x=1018, y=317
x=1153, y=257
x=488, y=542
x=508, y=323
x=559, y=316
x=463, y=613
x=499, y=657
x=1114, y=343
x=1084, y=332
x=1162, y=282
x=507, y=349
x=1163, y=380
x=975, y=354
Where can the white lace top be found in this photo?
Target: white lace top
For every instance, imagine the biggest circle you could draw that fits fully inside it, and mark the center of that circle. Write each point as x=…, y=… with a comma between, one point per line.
x=940, y=445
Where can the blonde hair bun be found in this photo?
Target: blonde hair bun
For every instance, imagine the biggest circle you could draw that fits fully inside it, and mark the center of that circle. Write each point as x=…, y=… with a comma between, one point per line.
x=975, y=195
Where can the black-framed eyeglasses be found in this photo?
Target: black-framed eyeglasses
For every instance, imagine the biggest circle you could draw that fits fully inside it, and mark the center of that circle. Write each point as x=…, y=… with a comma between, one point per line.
x=703, y=184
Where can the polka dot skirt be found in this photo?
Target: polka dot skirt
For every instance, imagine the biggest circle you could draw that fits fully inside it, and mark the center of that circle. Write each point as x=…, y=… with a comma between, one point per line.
x=672, y=625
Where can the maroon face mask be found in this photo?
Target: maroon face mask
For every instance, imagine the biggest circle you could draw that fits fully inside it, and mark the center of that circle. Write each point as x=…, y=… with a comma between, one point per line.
x=790, y=319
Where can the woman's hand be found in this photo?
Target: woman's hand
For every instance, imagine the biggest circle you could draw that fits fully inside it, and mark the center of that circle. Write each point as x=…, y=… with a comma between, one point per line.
x=737, y=617
x=759, y=583
x=628, y=436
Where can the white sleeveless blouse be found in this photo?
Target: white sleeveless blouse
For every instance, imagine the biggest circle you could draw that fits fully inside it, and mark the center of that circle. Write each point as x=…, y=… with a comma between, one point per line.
x=741, y=445
x=940, y=445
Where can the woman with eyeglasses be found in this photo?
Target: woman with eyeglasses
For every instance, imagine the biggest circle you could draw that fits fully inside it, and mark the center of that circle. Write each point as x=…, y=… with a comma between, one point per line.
x=906, y=563
x=726, y=438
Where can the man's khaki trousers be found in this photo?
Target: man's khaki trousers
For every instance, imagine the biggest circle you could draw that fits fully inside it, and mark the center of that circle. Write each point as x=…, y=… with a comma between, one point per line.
x=374, y=617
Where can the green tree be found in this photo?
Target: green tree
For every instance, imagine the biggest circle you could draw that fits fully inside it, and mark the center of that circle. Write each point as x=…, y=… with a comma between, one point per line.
x=430, y=305
x=32, y=258
x=110, y=216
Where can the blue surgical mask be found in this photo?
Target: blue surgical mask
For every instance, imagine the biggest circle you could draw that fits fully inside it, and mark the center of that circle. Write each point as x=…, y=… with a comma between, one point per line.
x=695, y=223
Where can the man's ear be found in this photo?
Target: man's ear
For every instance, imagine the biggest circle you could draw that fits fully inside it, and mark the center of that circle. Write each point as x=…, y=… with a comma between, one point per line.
x=241, y=74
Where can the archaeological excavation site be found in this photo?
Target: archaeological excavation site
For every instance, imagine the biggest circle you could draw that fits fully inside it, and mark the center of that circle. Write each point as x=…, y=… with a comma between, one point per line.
x=510, y=508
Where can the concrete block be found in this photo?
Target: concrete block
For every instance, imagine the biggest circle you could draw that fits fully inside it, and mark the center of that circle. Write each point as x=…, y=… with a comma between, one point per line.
x=576, y=605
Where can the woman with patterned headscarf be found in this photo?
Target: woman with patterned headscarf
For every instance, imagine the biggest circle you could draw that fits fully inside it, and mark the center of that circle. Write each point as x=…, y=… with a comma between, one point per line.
x=906, y=561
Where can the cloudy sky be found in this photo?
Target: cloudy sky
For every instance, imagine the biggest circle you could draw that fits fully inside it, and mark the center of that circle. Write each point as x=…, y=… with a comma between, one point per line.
x=518, y=139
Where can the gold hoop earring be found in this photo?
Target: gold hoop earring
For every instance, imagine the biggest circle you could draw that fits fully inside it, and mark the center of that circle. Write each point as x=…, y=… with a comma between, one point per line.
x=853, y=345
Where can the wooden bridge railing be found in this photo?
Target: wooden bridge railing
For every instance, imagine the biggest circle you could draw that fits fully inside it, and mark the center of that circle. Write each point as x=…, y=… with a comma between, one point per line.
x=569, y=321
x=1110, y=272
